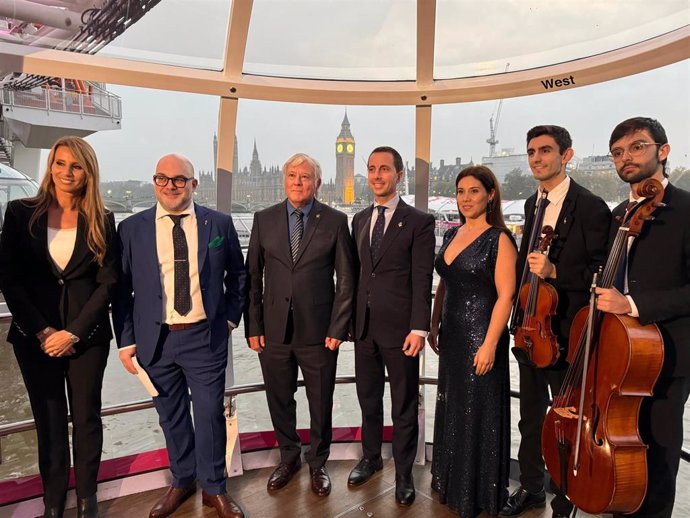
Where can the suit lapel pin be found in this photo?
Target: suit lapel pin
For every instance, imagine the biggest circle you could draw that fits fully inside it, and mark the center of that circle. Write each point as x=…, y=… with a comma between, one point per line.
x=205, y=222
x=565, y=220
x=400, y=224
x=318, y=216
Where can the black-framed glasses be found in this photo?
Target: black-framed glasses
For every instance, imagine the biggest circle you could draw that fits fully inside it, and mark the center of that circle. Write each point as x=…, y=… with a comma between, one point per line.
x=635, y=149
x=178, y=181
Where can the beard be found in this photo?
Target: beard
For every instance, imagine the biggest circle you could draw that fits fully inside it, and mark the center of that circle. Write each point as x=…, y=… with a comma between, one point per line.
x=642, y=172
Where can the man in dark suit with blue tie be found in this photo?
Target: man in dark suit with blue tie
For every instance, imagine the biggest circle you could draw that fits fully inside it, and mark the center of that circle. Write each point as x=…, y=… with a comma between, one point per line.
x=656, y=289
x=395, y=250
x=297, y=316
x=182, y=289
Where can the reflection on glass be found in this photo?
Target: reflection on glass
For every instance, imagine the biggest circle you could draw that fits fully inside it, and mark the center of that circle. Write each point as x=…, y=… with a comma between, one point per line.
x=177, y=32
x=481, y=38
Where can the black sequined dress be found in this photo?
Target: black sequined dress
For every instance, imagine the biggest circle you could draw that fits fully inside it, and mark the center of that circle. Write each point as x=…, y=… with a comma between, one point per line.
x=472, y=428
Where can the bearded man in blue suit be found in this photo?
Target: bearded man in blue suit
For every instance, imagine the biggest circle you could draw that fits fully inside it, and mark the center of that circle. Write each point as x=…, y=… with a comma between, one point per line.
x=182, y=290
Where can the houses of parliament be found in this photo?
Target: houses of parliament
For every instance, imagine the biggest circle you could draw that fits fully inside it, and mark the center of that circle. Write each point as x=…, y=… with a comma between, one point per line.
x=257, y=186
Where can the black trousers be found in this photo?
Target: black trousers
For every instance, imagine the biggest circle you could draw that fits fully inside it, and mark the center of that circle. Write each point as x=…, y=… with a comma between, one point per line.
x=279, y=363
x=534, y=401
x=661, y=428
x=371, y=361
x=45, y=380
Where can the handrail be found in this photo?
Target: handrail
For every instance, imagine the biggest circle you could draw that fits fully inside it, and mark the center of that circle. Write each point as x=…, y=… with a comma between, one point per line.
x=247, y=388
x=67, y=101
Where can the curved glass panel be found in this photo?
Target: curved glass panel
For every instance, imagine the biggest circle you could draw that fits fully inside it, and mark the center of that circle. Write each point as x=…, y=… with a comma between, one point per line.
x=332, y=39
x=177, y=32
x=460, y=131
x=482, y=38
x=340, y=138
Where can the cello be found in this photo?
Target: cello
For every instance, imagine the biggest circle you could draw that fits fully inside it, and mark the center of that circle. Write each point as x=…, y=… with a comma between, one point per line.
x=535, y=342
x=590, y=439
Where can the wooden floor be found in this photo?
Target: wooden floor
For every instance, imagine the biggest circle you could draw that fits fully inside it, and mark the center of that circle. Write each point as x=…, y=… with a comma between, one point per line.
x=375, y=499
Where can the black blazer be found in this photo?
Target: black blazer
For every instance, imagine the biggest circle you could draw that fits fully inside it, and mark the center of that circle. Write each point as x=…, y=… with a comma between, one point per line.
x=577, y=252
x=38, y=295
x=659, y=276
x=397, y=288
x=320, y=307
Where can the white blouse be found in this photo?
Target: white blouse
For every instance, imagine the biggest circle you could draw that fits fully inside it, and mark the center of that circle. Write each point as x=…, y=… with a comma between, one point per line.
x=61, y=245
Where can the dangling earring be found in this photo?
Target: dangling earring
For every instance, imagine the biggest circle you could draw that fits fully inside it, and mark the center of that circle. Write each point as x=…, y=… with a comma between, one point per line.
x=488, y=207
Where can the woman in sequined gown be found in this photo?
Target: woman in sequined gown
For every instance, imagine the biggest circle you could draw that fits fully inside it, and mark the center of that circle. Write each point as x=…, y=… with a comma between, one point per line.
x=471, y=434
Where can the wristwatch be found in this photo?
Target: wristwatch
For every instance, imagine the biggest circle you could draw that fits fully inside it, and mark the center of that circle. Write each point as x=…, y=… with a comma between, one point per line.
x=73, y=338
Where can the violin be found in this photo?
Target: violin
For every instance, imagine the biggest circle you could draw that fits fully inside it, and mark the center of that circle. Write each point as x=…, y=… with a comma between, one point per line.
x=535, y=342
x=590, y=440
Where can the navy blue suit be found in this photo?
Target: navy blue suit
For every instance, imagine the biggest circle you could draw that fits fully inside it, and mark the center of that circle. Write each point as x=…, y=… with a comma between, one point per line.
x=195, y=358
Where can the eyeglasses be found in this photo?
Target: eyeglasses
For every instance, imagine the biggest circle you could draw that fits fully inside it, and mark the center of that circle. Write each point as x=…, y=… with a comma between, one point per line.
x=635, y=149
x=179, y=181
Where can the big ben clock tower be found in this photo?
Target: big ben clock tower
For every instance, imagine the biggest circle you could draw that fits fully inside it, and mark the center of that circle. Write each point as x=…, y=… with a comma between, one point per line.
x=345, y=164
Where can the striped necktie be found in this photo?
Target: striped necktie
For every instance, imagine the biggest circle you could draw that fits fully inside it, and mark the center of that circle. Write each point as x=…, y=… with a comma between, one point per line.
x=296, y=237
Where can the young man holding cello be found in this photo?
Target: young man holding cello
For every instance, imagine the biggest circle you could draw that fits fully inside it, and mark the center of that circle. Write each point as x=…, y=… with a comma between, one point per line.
x=656, y=290
x=581, y=224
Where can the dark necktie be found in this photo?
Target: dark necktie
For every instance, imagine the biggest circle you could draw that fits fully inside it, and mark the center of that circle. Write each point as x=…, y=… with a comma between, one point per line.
x=182, y=296
x=377, y=234
x=296, y=237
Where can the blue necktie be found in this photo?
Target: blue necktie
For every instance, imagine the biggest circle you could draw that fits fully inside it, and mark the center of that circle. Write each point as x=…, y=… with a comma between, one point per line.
x=377, y=234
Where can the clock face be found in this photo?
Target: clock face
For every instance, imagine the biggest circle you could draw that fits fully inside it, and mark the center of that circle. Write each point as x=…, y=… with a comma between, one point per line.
x=339, y=148
x=350, y=148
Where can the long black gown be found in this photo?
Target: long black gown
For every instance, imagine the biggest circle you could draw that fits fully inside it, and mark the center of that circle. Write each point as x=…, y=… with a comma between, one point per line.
x=471, y=453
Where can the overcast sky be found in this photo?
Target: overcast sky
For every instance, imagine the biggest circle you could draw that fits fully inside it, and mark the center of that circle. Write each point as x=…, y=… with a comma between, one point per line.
x=376, y=39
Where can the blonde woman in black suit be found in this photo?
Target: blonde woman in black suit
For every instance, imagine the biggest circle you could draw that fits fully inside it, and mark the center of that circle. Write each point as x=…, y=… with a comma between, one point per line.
x=57, y=267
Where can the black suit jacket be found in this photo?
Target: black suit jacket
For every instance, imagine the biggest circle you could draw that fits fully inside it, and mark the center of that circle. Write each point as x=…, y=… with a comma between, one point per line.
x=320, y=307
x=39, y=296
x=397, y=288
x=577, y=252
x=659, y=276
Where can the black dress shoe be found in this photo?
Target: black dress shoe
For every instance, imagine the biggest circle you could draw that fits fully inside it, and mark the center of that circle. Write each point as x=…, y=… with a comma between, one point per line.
x=521, y=500
x=320, y=481
x=54, y=511
x=404, y=489
x=87, y=507
x=559, y=515
x=364, y=470
x=283, y=474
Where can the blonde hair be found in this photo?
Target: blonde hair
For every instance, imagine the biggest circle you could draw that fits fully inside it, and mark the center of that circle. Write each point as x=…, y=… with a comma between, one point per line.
x=89, y=202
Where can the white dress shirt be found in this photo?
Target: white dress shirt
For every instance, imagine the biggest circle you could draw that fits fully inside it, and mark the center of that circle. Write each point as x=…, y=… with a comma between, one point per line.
x=166, y=265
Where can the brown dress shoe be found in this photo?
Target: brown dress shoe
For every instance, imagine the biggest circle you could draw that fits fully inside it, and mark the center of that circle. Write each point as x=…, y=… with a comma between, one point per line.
x=283, y=474
x=224, y=505
x=171, y=500
x=320, y=481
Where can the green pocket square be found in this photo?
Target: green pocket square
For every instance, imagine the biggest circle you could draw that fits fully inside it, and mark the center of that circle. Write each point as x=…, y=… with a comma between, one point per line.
x=216, y=241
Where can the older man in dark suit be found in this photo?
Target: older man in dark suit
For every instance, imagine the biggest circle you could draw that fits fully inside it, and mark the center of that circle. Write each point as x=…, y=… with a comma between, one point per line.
x=297, y=316
x=656, y=290
x=395, y=248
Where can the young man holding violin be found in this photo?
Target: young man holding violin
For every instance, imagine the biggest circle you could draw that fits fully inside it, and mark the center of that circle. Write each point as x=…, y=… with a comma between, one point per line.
x=656, y=290
x=581, y=224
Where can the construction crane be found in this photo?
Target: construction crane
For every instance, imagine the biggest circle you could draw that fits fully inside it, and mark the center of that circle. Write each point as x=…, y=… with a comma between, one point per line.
x=493, y=124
